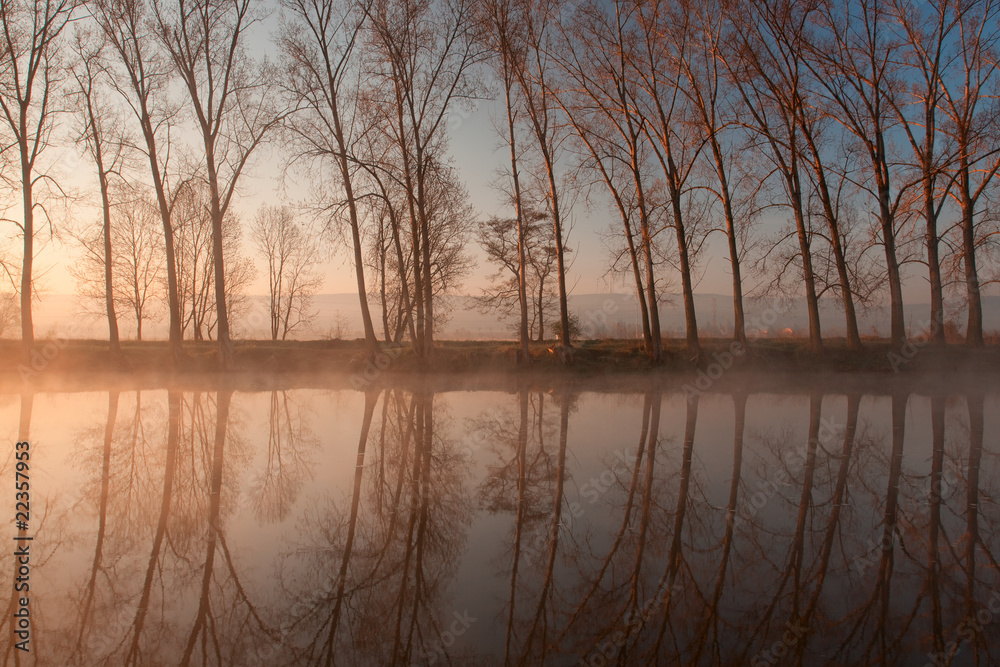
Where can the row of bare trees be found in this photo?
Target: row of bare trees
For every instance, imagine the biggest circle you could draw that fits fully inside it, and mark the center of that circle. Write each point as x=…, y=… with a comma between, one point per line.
x=171, y=105
x=137, y=76
x=831, y=145
x=869, y=126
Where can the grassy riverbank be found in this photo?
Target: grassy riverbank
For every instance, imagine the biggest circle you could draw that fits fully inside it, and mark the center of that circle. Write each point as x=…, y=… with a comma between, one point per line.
x=590, y=357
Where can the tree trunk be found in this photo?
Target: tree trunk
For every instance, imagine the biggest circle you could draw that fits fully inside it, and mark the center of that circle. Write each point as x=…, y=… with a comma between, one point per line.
x=541, y=310
x=371, y=340
x=425, y=247
x=174, y=336
x=847, y=296
x=418, y=279
x=102, y=175
x=560, y=264
x=974, y=329
x=428, y=284
x=936, y=332
x=647, y=334
x=812, y=302
x=933, y=264
x=109, y=296
x=687, y=287
x=881, y=166
x=739, y=317
x=402, y=277
x=897, y=325
x=690, y=317
x=27, y=329
x=522, y=283
x=218, y=264
x=655, y=337
x=383, y=296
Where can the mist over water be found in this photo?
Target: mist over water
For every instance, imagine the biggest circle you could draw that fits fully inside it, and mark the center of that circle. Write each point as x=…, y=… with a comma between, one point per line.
x=597, y=527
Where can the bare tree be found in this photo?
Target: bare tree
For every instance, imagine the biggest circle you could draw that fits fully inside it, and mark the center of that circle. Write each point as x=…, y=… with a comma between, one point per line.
x=534, y=74
x=293, y=257
x=973, y=127
x=105, y=142
x=498, y=237
x=452, y=221
x=712, y=100
x=856, y=59
x=196, y=271
x=663, y=40
x=192, y=225
x=140, y=262
x=392, y=265
x=423, y=54
x=142, y=76
x=9, y=312
x=137, y=260
x=927, y=55
x=827, y=183
x=228, y=95
x=765, y=64
x=503, y=38
x=608, y=125
x=321, y=45
x=31, y=73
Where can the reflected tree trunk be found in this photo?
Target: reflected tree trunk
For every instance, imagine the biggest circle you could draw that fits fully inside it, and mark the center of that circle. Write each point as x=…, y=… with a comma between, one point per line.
x=973, y=540
x=648, y=440
x=539, y=623
x=522, y=472
x=109, y=429
x=674, y=557
x=329, y=647
x=710, y=625
x=934, y=521
x=202, y=619
x=134, y=655
x=837, y=502
x=878, y=602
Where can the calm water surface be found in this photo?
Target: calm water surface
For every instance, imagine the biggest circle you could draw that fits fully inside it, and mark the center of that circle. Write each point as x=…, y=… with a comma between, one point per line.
x=310, y=527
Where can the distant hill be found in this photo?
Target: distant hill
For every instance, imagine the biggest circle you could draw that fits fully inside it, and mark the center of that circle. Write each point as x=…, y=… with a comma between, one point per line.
x=338, y=315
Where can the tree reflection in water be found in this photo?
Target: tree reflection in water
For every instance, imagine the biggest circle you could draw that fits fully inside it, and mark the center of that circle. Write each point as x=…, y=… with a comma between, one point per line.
x=227, y=528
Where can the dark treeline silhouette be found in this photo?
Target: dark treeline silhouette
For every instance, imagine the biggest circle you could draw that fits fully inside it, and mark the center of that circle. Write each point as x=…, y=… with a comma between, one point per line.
x=839, y=149
x=858, y=529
